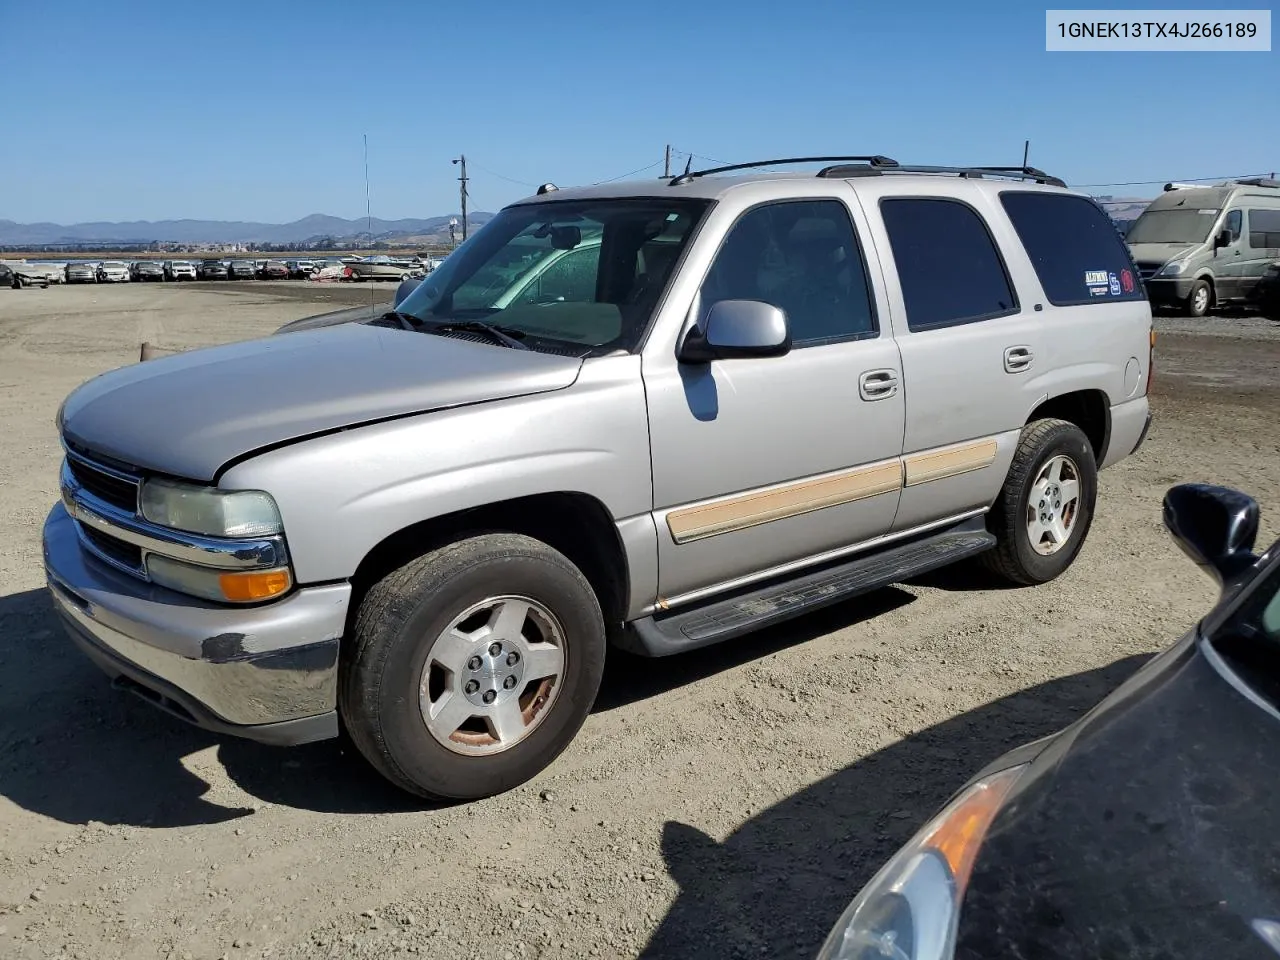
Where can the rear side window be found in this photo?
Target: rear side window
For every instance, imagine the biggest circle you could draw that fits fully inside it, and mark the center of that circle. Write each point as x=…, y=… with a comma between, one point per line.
x=1074, y=247
x=1264, y=229
x=948, y=264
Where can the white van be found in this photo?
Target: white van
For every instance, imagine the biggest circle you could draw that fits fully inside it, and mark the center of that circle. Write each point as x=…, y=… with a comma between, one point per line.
x=1199, y=247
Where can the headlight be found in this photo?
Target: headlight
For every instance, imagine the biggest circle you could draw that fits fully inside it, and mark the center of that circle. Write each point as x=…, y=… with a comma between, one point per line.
x=208, y=510
x=1171, y=269
x=911, y=908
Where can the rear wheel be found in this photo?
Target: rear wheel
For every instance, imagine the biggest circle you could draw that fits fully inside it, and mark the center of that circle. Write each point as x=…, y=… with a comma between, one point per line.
x=471, y=668
x=1045, y=509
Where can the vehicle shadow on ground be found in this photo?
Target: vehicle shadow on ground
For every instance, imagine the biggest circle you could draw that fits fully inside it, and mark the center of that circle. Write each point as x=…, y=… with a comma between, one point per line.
x=776, y=886
x=77, y=750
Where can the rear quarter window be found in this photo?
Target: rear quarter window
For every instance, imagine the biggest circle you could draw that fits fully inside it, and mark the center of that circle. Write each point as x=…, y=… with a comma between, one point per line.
x=1075, y=248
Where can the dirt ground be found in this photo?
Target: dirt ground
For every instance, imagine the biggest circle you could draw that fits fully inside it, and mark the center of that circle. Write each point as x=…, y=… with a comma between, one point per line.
x=726, y=803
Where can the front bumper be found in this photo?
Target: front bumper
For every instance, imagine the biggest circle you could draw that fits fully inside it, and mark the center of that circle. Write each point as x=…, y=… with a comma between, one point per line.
x=266, y=673
x=1169, y=292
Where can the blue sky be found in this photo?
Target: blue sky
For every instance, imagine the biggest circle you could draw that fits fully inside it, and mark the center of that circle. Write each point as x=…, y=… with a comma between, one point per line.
x=256, y=111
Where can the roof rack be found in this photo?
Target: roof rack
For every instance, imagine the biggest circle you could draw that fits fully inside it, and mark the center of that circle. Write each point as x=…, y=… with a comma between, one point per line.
x=875, y=165
x=1259, y=182
x=689, y=175
x=976, y=173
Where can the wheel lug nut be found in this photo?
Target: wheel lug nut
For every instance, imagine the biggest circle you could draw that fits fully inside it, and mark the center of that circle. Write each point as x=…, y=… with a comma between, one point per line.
x=513, y=658
x=495, y=649
x=471, y=687
x=509, y=683
x=473, y=663
x=490, y=696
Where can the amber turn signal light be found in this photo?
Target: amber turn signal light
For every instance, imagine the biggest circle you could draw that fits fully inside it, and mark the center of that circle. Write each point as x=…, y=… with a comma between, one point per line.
x=254, y=585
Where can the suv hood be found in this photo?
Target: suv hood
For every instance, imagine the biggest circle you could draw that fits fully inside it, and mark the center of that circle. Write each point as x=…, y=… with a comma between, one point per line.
x=189, y=414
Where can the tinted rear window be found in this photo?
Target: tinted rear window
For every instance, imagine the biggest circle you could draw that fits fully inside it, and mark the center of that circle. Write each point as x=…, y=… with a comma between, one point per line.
x=949, y=267
x=1074, y=247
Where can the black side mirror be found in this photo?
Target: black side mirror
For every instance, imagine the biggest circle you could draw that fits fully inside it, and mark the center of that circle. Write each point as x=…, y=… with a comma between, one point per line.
x=1215, y=526
x=407, y=286
x=1223, y=239
x=737, y=329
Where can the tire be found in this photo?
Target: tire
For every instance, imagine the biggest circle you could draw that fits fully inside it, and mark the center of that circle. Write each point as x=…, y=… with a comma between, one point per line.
x=1015, y=557
x=394, y=648
x=1200, y=299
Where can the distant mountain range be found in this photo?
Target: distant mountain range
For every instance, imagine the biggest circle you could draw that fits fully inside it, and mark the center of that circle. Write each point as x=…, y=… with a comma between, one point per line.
x=224, y=231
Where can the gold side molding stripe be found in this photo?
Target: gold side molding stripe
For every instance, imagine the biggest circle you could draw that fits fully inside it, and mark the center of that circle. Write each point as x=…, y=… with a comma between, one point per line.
x=951, y=462
x=806, y=496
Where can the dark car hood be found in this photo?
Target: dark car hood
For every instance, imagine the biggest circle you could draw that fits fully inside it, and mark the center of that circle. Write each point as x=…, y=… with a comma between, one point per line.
x=190, y=413
x=1144, y=831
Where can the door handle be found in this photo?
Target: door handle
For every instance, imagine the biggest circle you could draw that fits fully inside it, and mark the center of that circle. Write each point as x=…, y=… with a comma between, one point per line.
x=878, y=384
x=1017, y=359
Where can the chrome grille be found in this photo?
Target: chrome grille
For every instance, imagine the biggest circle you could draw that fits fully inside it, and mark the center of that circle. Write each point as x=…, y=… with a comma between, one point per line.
x=122, y=554
x=110, y=486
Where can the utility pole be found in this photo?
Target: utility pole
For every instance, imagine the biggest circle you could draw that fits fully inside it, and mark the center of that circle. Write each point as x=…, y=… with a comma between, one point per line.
x=462, y=190
x=666, y=163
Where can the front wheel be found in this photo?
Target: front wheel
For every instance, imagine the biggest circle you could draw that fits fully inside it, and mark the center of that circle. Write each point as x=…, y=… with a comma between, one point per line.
x=1199, y=299
x=1044, y=510
x=472, y=667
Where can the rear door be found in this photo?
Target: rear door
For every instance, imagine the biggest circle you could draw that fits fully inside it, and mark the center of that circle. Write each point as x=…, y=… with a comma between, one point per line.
x=1261, y=246
x=971, y=345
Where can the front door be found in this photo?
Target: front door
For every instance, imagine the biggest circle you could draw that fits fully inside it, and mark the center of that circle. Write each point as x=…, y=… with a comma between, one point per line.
x=1230, y=262
x=764, y=462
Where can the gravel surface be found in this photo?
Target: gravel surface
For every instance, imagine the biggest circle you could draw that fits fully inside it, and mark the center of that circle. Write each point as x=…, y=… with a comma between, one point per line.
x=726, y=803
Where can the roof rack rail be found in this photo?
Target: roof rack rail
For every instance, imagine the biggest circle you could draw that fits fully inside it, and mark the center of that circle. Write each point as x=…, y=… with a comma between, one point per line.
x=1259, y=182
x=877, y=161
x=977, y=173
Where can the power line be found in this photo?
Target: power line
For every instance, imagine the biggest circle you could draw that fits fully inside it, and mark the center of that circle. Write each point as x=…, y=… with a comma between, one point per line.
x=521, y=183
x=623, y=176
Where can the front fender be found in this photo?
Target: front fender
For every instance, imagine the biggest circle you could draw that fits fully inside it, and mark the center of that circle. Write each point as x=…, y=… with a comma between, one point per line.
x=342, y=494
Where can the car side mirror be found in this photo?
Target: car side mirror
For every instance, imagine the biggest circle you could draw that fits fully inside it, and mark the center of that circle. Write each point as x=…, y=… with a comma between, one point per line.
x=1223, y=239
x=737, y=329
x=1215, y=526
x=407, y=286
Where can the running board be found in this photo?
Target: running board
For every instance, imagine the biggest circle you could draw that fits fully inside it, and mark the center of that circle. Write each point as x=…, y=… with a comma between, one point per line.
x=756, y=607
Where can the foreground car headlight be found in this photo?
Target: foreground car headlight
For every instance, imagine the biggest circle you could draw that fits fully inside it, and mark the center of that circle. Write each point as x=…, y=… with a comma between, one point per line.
x=208, y=510
x=1171, y=269
x=911, y=907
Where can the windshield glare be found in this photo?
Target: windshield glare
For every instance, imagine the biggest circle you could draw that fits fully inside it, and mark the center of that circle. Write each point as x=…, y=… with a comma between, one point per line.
x=587, y=273
x=1172, y=226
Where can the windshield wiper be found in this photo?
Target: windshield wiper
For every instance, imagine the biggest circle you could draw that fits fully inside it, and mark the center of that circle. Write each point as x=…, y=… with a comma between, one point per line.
x=498, y=333
x=407, y=320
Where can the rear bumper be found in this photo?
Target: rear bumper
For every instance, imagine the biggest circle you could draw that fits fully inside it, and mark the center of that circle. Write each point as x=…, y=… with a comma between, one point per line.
x=1130, y=422
x=266, y=673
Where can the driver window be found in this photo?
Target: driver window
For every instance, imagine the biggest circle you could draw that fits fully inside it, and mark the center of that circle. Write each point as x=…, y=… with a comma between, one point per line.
x=1234, y=224
x=803, y=257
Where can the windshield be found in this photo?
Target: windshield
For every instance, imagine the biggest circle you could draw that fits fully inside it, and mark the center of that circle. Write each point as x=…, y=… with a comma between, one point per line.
x=1172, y=226
x=586, y=272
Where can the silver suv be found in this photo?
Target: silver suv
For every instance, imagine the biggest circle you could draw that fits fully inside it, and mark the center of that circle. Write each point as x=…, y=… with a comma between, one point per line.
x=654, y=415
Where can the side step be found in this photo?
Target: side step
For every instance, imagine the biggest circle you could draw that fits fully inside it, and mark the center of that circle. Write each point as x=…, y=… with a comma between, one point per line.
x=756, y=606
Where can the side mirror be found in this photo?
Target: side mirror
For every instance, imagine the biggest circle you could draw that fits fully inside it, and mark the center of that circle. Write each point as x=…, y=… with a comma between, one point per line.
x=1223, y=239
x=1215, y=526
x=407, y=286
x=737, y=329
